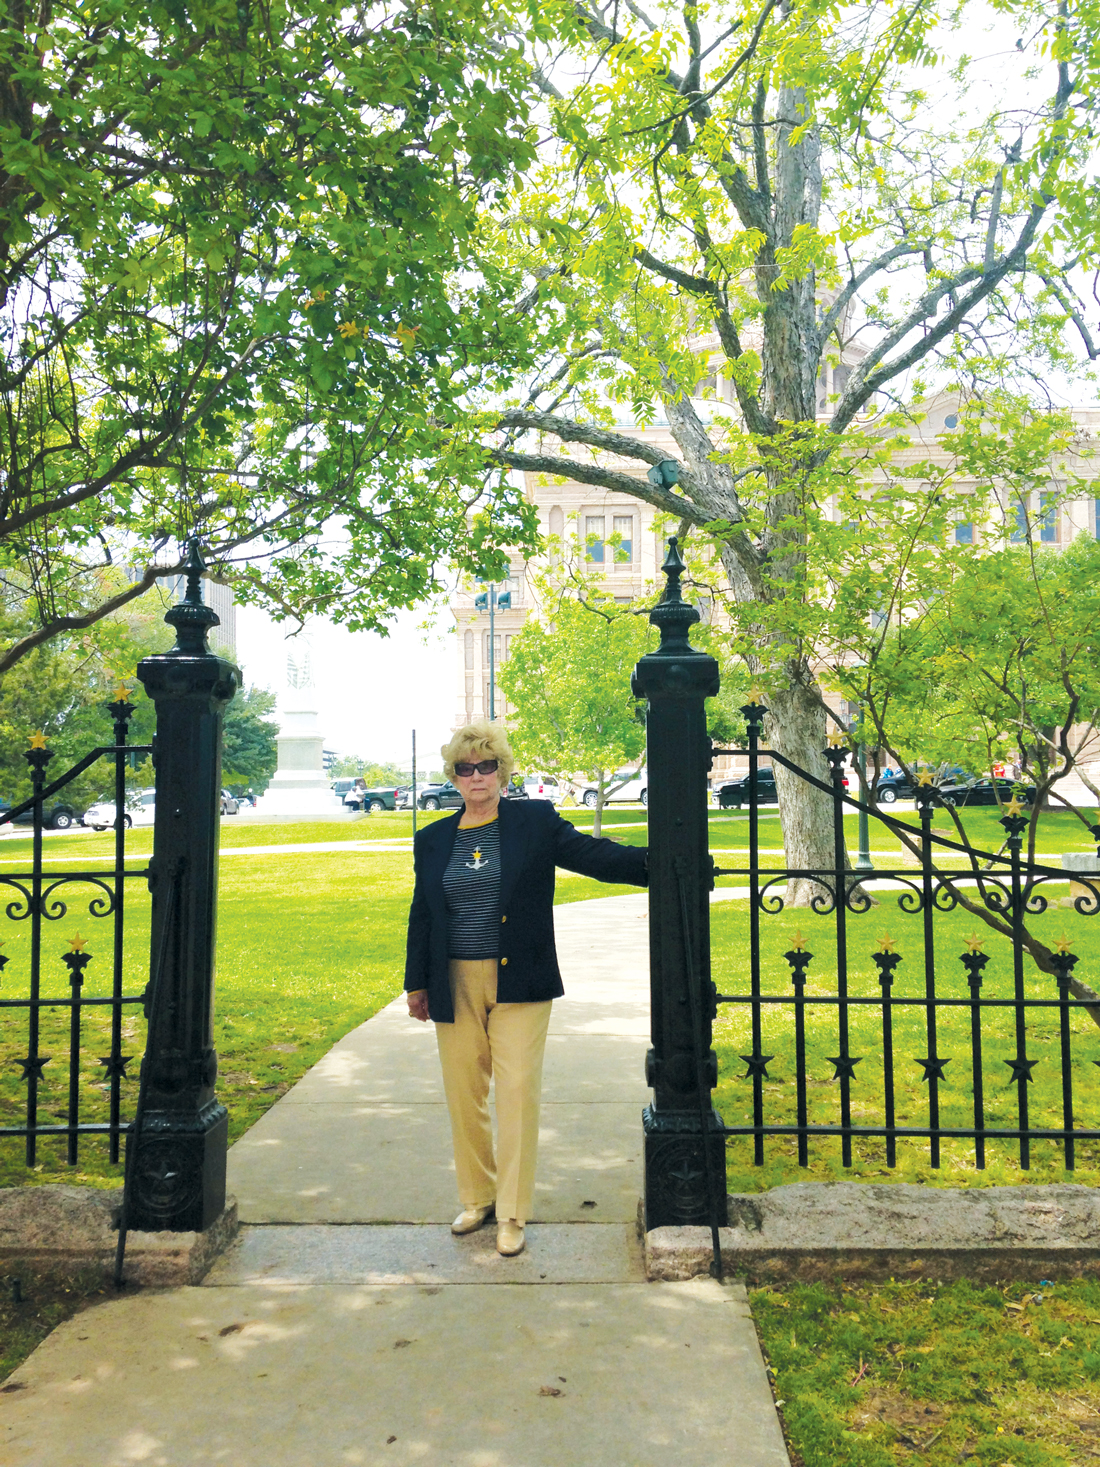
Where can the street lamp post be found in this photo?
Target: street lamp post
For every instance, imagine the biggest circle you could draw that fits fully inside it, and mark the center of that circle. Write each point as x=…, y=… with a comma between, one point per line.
x=490, y=601
x=863, y=860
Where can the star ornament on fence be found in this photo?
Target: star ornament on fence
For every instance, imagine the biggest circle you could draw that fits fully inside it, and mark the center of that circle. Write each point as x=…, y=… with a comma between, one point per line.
x=1061, y=944
x=77, y=944
x=122, y=693
x=33, y=1066
x=974, y=943
x=757, y=1064
x=38, y=740
x=924, y=777
x=798, y=943
x=1014, y=808
x=933, y=1067
x=1021, y=1068
x=756, y=696
x=844, y=1065
x=837, y=738
x=886, y=944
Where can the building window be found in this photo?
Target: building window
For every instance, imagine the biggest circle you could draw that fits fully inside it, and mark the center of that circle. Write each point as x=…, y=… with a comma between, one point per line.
x=469, y=649
x=1019, y=531
x=594, y=538
x=496, y=649
x=1048, y=525
x=964, y=533
x=623, y=526
x=878, y=619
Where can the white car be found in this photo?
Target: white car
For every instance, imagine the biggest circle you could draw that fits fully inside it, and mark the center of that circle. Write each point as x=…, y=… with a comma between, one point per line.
x=541, y=787
x=631, y=785
x=140, y=810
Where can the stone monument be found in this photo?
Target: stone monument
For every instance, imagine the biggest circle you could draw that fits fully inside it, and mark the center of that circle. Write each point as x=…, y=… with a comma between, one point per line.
x=300, y=785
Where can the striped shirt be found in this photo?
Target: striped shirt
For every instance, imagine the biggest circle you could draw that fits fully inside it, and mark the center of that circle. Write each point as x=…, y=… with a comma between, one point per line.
x=471, y=884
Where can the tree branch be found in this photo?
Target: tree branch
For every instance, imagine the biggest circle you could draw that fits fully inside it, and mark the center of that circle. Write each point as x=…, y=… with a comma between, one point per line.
x=77, y=623
x=567, y=468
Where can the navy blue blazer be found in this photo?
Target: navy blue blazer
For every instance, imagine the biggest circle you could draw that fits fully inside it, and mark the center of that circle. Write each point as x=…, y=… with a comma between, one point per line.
x=533, y=840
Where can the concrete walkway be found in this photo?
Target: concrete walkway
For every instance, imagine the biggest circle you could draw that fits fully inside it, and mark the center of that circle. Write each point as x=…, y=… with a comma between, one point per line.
x=348, y=1326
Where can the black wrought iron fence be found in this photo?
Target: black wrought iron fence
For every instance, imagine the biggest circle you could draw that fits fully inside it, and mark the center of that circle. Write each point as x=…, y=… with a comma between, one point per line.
x=859, y=1099
x=41, y=897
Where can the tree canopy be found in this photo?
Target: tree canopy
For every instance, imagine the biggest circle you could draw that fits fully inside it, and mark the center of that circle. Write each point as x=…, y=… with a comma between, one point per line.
x=838, y=213
x=238, y=296
x=249, y=751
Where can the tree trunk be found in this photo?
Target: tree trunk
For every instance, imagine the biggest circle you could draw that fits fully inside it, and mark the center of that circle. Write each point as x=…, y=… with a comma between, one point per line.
x=795, y=727
x=597, y=819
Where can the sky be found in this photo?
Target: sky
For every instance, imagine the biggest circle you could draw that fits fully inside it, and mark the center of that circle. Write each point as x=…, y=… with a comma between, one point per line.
x=372, y=691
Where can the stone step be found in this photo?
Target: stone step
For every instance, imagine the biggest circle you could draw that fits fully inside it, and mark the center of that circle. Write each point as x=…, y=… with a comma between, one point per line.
x=556, y=1253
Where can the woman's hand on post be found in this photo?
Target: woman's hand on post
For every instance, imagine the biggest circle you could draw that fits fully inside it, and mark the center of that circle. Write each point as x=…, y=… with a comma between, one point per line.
x=418, y=1004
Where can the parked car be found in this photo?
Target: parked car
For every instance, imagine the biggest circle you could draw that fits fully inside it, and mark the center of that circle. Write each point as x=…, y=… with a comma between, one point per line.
x=372, y=800
x=633, y=788
x=541, y=787
x=440, y=797
x=733, y=795
x=140, y=810
x=230, y=804
x=985, y=791
x=446, y=796
x=55, y=816
x=893, y=786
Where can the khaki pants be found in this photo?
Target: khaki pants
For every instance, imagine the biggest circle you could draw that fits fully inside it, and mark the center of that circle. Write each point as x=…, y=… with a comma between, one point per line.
x=488, y=1040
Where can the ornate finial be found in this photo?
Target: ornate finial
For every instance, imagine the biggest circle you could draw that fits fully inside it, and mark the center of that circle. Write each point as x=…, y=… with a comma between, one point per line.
x=798, y=943
x=924, y=778
x=974, y=943
x=190, y=617
x=1014, y=807
x=837, y=738
x=886, y=944
x=77, y=944
x=756, y=695
x=673, y=616
x=1062, y=944
x=38, y=740
x=673, y=566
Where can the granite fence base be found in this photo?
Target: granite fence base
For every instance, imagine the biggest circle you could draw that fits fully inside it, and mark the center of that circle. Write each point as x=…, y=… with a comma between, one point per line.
x=850, y=1230
x=61, y=1231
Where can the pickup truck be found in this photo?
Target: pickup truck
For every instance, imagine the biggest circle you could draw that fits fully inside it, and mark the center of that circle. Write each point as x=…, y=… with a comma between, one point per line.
x=357, y=796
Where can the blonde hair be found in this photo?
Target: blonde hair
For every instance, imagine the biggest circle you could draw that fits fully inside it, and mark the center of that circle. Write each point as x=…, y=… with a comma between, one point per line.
x=477, y=741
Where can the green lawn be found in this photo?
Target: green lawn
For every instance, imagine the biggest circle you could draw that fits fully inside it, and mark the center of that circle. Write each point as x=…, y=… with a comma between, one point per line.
x=309, y=946
x=730, y=944
x=936, y=1373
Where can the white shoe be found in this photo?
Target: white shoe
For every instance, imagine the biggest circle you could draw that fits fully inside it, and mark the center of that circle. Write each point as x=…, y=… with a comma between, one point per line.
x=472, y=1218
x=510, y=1240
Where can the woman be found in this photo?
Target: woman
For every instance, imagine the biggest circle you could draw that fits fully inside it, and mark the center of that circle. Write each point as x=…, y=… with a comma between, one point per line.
x=481, y=964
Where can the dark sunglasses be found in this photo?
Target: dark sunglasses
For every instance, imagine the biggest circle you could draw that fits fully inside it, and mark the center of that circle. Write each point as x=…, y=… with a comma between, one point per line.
x=487, y=766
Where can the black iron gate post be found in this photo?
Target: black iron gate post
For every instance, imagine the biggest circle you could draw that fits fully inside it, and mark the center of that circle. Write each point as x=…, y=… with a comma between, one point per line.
x=178, y=1172
x=685, y=1179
